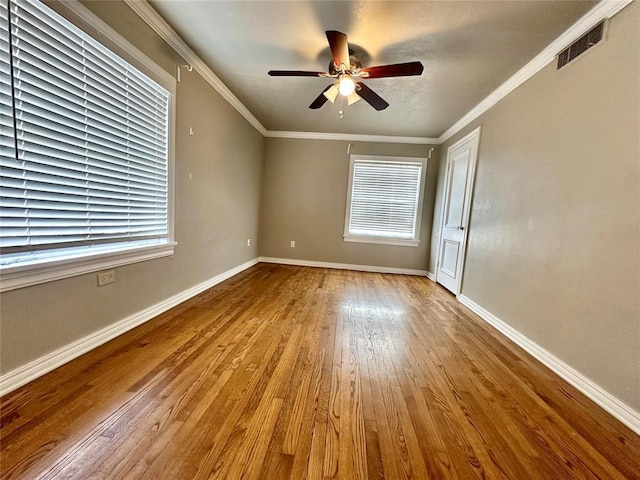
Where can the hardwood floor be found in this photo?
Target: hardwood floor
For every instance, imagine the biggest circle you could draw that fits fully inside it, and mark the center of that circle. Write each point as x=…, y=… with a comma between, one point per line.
x=292, y=372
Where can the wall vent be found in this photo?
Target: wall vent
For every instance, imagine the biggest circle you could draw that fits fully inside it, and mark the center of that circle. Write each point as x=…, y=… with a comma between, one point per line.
x=581, y=45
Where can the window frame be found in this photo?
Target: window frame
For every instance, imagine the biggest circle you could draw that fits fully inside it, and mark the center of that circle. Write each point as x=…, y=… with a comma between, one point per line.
x=28, y=273
x=415, y=241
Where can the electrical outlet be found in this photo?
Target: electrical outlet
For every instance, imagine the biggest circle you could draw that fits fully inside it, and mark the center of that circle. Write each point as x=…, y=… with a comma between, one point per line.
x=293, y=244
x=248, y=242
x=105, y=278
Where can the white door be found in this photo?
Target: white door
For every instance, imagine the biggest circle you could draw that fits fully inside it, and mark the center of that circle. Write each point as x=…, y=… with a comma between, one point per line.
x=461, y=165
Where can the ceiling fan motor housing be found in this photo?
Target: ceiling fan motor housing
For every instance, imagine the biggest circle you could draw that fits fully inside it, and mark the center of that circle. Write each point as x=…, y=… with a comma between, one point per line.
x=353, y=68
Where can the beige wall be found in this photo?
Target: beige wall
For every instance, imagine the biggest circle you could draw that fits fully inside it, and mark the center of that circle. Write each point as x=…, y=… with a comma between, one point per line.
x=554, y=238
x=216, y=212
x=304, y=199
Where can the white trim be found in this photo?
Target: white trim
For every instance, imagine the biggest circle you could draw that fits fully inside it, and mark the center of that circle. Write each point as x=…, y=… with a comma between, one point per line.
x=595, y=392
x=603, y=10
x=352, y=137
x=169, y=35
x=36, y=368
x=19, y=276
x=398, y=242
x=431, y=276
x=343, y=266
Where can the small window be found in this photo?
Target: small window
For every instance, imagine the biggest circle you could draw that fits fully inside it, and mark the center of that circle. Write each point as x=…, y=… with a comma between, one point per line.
x=85, y=172
x=384, y=201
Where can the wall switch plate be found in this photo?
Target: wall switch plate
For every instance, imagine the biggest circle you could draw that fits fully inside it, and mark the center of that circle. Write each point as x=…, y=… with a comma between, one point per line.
x=293, y=244
x=248, y=242
x=107, y=277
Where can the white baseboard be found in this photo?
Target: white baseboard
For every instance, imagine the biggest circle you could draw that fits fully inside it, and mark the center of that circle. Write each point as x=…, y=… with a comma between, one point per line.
x=611, y=404
x=38, y=367
x=343, y=266
x=431, y=276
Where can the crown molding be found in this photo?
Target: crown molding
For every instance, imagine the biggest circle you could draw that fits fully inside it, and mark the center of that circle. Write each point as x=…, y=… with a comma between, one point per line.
x=352, y=137
x=169, y=35
x=602, y=11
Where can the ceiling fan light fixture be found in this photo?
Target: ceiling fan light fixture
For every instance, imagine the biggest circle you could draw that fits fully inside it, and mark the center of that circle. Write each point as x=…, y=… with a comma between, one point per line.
x=353, y=98
x=347, y=85
x=332, y=93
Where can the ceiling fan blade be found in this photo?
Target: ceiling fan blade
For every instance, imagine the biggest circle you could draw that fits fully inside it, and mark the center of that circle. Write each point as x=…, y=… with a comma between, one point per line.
x=321, y=100
x=371, y=97
x=295, y=73
x=339, y=49
x=395, y=70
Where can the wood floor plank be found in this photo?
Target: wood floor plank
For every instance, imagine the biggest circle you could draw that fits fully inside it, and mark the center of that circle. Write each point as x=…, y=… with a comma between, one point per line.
x=285, y=372
x=173, y=401
x=316, y=457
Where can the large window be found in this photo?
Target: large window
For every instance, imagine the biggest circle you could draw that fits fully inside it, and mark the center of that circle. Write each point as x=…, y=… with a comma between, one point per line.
x=85, y=164
x=384, y=201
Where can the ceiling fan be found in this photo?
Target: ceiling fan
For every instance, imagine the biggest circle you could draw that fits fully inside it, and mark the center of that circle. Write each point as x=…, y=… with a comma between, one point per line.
x=346, y=69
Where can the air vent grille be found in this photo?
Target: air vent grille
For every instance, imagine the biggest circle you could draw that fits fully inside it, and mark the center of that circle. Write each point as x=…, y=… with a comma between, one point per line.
x=581, y=45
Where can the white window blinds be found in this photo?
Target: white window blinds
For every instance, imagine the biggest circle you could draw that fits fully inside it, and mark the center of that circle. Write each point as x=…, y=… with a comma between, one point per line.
x=384, y=199
x=7, y=144
x=91, y=133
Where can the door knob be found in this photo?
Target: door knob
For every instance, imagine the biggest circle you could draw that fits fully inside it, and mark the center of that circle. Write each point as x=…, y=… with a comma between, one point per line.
x=460, y=228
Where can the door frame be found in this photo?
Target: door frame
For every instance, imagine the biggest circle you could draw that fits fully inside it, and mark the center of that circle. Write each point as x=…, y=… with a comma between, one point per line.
x=468, y=199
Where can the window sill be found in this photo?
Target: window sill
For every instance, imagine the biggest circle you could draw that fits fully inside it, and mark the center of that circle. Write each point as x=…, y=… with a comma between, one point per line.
x=17, y=276
x=382, y=241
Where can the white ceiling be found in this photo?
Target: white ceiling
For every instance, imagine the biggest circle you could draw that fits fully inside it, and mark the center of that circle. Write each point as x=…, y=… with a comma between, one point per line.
x=468, y=49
